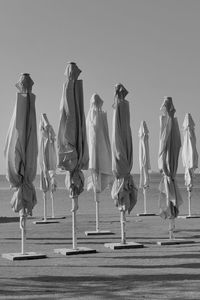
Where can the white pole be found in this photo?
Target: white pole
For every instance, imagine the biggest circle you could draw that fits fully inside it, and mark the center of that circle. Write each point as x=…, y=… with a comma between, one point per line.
x=45, y=206
x=189, y=202
x=123, y=227
x=171, y=228
x=145, y=200
x=96, y=198
x=52, y=204
x=74, y=209
x=23, y=230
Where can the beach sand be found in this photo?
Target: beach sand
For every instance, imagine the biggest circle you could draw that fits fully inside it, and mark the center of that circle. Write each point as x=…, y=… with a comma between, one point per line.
x=152, y=272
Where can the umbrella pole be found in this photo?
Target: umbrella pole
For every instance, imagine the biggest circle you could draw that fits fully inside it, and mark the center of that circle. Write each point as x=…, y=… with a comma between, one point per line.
x=52, y=204
x=74, y=209
x=96, y=198
x=45, y=206
x=123, y=225
x=145, y=200
x=23, y=230
x=189, y=202
x=171, y=228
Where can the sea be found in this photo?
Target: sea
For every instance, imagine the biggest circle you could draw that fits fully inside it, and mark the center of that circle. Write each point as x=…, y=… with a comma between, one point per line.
x=62, y=201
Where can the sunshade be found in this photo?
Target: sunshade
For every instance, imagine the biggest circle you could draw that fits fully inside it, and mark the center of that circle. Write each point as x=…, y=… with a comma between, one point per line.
x=72, y=141
x=100, y=159
x=47, y=155
x=124, y=191
x=21, y=148
x=169, y=148
x=144, y=158
x=189, y=151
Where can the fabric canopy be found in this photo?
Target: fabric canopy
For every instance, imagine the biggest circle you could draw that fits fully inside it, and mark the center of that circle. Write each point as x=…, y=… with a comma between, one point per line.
x=144, y=158
x=169, y=148
x=47, y=155
x=21, y=152
x=189, y=151
x=100, y=157
x=72, y=141
x=124, y=191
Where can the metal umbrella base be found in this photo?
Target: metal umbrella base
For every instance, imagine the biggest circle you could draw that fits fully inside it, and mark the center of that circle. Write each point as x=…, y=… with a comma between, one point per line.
x=189, y=217
x=25, y=256
x=79, y=250
x=146, y=214
x=173, y=242
x=118, y=246
x=124, y=244
x=45, y=222
x=75, y=250
x=100, y=232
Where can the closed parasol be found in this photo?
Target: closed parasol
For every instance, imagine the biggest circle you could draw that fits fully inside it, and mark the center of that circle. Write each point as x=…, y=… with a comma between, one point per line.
x=72, y=140
x=144, y=161
x=124, y=191
x=21, y=152
x=169, y=148
x=189, y=154
x=100, y=166
x=47, y=160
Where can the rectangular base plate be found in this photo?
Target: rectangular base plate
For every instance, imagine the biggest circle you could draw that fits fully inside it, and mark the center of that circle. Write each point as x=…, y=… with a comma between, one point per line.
x=54, y=218
x=100, y=232
x=45, y=222
x=25, y=256
x=79, y=250
x=145, y=215
x=129, y=245
x=189, y=217
x=174, y=242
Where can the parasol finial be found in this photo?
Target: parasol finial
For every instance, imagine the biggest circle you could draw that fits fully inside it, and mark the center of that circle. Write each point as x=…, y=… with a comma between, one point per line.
x=25, y=83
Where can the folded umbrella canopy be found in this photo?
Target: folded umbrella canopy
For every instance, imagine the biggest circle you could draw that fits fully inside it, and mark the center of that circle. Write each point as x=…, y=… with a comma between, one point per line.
x=47, y=159
x=189, y=154
x=100, y=158
x=144, y=159
x=169, y=148
x=72, y=140
x=21, y=148
x=124, y=191
x=21, y=152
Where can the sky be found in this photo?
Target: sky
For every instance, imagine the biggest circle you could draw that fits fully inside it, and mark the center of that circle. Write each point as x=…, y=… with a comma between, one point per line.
x=151, y=46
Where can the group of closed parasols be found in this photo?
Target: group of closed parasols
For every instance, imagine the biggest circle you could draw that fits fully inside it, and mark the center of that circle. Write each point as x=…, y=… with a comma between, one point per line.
x=83, y=144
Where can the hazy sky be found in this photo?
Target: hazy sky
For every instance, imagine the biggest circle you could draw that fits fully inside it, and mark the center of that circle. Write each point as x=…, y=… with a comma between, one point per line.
x=151, y=46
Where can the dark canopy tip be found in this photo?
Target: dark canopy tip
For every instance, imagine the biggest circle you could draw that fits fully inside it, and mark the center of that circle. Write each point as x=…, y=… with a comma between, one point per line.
x=168, y=105
x=72, y=71
x=120, y=90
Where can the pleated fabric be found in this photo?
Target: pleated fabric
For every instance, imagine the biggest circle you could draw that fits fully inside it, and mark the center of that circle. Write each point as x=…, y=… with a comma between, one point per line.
x=144, y=157
x=21, y=152
x=47, y=155
x=72, y=140
x=189, y=150
x=100, y=158
x=169, y=148
x=124, y=191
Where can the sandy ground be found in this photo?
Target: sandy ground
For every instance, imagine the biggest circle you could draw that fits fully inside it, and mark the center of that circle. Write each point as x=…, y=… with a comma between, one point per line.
x=152, y=272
